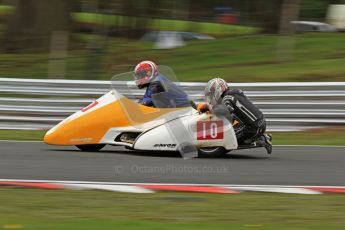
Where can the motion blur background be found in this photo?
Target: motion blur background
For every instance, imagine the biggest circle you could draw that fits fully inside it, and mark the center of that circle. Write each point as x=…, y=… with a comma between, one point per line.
x=242, y=41
x=234, y=39
x=57, y=56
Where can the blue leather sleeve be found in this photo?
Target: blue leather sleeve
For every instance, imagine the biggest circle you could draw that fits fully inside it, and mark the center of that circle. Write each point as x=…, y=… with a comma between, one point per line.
x=147, y=98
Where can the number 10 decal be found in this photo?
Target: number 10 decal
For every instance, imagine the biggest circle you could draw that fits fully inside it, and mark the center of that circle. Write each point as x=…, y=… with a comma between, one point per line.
x=210, y=130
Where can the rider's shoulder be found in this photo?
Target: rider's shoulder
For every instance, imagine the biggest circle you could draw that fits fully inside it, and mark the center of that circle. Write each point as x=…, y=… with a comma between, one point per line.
x=155, y=84
x=160, y=78
x=234, y=91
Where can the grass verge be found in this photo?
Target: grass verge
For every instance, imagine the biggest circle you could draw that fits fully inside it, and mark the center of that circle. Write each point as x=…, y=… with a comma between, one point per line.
x=333, y=136
x=42, y=209
x=22, y=135
x=324, y=136
x=316, y=57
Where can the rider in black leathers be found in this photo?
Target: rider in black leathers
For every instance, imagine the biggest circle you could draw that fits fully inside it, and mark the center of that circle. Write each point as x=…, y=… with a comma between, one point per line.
x=248, y=121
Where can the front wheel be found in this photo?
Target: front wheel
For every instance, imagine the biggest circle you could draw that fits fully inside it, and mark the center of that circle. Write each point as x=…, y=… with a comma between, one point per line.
x=90, y=148
x=212, y=152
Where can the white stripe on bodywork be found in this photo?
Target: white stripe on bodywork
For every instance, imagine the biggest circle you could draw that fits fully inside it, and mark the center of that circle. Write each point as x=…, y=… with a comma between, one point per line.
x=245, y=111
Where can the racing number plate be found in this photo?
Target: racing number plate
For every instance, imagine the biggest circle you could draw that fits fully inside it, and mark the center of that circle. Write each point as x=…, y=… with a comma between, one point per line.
x=210, y=130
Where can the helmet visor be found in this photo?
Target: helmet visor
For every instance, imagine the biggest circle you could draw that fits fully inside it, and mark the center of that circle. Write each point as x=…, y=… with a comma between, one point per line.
x=141, y=74
x=212, y=95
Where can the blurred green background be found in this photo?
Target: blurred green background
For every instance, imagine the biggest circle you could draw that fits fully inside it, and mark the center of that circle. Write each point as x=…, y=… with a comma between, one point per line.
x=254, y=41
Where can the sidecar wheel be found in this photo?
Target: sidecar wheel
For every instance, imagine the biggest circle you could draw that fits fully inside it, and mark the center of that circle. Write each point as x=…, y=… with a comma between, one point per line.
x=211, y=152
x=90, y=148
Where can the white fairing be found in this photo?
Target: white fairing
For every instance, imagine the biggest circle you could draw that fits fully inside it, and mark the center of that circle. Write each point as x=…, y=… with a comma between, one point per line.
x=109, y=137
x=168, y=136
x=165, y=133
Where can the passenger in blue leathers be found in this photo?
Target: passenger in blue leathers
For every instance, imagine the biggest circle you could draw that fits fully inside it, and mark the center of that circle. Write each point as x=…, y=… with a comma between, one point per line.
x=160, y=91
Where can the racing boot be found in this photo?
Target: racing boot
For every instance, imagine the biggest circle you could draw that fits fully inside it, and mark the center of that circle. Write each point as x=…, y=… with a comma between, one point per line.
x=268, y=143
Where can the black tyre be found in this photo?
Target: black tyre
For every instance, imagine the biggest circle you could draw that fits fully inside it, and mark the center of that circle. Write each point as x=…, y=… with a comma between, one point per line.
x=212, y=152
x=90, y=148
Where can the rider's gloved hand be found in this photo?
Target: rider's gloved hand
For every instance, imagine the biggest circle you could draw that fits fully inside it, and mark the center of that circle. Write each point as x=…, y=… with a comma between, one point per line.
x=202, y=108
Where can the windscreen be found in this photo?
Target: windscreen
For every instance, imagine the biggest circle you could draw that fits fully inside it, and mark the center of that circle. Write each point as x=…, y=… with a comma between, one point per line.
x=171, y=95
x=164, y=90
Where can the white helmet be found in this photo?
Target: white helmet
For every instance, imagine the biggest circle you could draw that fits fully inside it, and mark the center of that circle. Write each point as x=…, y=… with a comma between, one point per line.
x=144, y=72
x=214, y=90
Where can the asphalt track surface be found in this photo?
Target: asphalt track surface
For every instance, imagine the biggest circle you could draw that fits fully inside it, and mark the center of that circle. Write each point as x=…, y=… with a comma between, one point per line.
x=286, y=166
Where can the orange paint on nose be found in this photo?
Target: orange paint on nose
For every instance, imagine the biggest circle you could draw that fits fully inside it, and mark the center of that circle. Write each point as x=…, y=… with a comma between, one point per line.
x=89, y=128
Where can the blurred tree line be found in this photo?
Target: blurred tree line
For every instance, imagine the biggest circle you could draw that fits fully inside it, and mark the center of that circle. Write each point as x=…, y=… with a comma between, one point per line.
x=34, y=21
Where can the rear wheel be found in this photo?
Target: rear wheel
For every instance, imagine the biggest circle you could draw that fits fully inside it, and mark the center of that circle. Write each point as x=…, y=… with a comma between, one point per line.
x=211, y=152
x=90, y=148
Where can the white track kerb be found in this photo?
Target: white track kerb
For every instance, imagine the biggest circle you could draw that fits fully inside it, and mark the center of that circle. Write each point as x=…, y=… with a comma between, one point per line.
x=161, y=187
